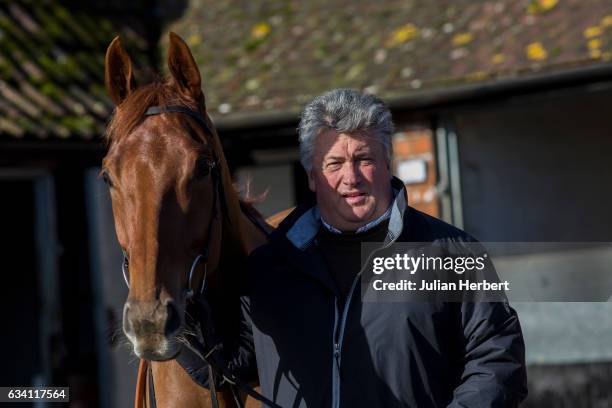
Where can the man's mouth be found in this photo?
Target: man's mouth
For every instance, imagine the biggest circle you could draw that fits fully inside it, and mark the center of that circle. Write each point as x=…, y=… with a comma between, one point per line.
x=354, y=198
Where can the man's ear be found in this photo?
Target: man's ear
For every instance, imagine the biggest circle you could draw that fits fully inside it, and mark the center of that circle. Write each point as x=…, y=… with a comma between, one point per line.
x=311, y=181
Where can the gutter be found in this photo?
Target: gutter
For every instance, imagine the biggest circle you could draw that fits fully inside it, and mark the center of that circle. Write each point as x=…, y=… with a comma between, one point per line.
x=241, y=121
x=502, y=88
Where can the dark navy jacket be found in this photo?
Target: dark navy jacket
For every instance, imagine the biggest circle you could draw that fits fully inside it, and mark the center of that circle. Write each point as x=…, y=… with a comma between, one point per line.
x=312, y=352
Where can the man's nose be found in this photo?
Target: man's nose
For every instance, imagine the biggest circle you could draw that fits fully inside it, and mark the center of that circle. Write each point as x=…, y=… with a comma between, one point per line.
x=351, y=174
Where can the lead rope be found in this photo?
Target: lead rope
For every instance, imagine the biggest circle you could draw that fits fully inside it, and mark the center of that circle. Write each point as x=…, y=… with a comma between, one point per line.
x=212, y=356
x=152, y=400
x=141, y=394
x=213, y=387
x=229, y=377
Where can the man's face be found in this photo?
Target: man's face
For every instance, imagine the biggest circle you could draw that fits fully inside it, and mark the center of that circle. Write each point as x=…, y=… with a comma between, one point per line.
x=351, y=179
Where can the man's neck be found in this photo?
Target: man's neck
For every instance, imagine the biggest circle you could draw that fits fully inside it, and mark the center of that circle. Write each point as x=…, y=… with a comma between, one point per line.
x=371, y=224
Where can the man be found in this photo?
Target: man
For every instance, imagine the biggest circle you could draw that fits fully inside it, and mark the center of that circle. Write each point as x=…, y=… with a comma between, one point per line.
x=317, y=343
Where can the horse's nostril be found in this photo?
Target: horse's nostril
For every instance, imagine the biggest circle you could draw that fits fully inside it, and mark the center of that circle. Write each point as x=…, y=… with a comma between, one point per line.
x=173, y=320
x=150, y=320
x=127, y=321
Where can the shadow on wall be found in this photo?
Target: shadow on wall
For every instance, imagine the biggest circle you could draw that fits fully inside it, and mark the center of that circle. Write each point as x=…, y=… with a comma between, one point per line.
x=569, y=385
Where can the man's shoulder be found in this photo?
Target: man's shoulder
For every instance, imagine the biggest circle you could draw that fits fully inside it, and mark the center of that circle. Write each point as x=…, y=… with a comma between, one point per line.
x=267, y=251
x=293, y=217
x=277, y=240
x=279, y=246
x=422, y=227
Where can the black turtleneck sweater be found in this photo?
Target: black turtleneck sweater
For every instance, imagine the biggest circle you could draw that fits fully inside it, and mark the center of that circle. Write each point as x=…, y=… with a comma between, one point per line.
x=342, y=253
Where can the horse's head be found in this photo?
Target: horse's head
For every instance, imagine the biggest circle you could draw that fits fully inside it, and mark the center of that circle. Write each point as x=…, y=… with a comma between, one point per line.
x=163, y=172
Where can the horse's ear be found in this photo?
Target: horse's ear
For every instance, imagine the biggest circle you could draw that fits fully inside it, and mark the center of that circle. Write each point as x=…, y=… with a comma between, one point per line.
x=183, y=67
x=117, y=72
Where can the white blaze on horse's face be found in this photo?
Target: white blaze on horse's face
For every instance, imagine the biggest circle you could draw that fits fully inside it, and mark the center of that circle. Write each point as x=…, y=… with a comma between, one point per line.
x=162, y=201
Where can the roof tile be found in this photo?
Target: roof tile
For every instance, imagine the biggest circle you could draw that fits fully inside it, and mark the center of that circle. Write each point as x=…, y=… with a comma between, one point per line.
x=52, y=69
x=292, y=50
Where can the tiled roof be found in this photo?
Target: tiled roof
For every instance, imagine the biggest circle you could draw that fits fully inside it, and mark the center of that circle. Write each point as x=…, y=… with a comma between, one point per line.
x=271, y=56
x=52, y=69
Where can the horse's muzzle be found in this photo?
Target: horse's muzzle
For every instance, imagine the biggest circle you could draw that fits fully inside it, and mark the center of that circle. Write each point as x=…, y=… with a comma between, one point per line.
x=152, y=327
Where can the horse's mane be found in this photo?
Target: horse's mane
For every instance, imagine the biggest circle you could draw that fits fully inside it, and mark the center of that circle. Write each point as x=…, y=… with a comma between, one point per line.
x=248, y=201
x=161, y=92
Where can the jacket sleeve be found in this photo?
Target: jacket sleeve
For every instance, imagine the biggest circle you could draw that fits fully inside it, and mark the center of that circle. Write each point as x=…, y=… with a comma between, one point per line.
x=494, y=373
x=242, y=362
x=241, y=355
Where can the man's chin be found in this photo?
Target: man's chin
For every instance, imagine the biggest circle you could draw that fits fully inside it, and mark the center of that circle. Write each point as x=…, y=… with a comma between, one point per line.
x=359, y=216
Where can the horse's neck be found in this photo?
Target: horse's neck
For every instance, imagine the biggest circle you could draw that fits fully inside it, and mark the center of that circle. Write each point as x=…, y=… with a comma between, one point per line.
x=241, y=228
x=174, y=388
x=241, y=235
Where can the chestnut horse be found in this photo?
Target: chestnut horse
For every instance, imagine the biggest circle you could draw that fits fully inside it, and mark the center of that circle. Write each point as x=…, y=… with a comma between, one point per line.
x=177, y=216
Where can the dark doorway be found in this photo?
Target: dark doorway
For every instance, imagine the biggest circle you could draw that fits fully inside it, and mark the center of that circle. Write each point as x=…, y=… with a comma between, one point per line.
x=20, y=338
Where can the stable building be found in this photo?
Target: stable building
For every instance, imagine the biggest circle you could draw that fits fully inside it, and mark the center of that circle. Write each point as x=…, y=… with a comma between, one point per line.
x=502, y=129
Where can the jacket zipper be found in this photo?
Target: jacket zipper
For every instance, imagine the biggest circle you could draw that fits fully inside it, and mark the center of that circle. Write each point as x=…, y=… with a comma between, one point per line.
x=336, y=361
x=339, y=332
x=338, y=338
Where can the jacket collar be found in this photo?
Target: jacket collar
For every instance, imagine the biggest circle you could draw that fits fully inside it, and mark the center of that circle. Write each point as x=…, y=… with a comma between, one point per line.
x=302, y=232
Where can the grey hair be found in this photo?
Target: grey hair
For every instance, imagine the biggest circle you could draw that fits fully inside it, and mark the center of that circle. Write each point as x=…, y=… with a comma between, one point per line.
x=344, y=111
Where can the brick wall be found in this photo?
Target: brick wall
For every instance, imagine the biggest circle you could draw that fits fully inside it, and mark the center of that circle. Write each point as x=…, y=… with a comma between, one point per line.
x=416, y=144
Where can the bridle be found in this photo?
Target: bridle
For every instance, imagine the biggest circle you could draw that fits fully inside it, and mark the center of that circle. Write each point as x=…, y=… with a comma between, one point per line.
x=216, y=364
x=216, y=177
x=189, y=291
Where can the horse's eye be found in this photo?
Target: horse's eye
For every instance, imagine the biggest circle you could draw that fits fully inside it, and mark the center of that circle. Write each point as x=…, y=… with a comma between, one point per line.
x=203, y=167
x=107, y=179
